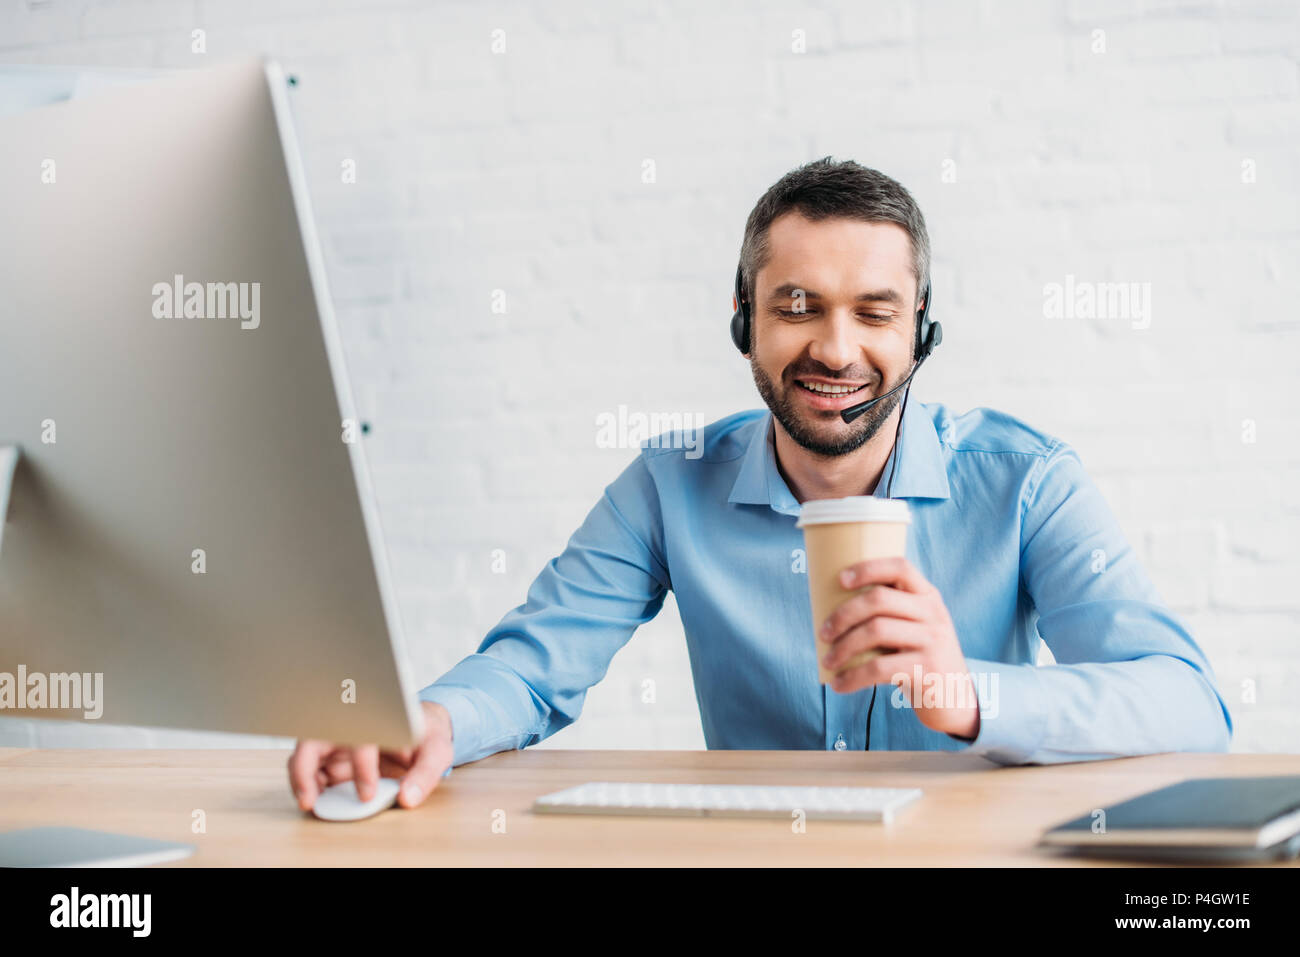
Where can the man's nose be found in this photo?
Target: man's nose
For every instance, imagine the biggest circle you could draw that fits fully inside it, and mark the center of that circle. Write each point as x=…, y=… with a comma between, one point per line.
x=835, y=342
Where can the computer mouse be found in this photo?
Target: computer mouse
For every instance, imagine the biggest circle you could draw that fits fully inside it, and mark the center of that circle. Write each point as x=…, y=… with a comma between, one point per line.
x=340, y=802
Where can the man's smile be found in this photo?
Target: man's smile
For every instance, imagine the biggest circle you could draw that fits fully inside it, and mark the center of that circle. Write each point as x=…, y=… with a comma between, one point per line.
x=828, y=394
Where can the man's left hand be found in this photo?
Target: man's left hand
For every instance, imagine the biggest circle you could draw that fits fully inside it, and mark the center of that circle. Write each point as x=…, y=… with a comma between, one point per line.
x=904, y=620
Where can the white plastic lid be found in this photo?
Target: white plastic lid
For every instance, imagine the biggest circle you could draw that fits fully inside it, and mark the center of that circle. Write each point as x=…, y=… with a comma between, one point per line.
x=855, y=508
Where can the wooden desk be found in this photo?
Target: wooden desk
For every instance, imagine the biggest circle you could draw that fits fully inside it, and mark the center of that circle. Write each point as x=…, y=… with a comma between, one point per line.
x=973, y=811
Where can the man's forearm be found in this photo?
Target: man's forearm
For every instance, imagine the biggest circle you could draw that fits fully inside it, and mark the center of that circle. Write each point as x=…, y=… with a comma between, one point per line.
x=1096, y=710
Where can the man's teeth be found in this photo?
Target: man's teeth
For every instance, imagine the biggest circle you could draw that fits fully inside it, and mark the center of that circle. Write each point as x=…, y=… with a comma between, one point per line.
x=829, y=389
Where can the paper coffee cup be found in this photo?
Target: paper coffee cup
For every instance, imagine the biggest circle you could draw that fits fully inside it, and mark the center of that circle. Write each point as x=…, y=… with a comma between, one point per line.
x=837, y=533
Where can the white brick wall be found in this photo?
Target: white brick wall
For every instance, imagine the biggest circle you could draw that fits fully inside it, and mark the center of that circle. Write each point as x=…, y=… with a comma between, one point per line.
x=522, y=172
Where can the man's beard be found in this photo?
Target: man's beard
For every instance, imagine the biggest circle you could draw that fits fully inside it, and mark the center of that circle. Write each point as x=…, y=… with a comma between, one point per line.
x=848, y=438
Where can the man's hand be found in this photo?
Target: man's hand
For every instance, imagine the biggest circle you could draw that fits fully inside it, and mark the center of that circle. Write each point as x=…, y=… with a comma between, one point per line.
x=883, y=633
x=315, y=765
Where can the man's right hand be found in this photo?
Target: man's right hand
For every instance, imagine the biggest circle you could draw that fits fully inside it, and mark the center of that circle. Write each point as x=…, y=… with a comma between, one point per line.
x=315, y=765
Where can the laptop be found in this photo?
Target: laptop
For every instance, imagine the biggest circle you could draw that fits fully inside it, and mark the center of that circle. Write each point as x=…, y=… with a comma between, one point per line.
x=1206, y=819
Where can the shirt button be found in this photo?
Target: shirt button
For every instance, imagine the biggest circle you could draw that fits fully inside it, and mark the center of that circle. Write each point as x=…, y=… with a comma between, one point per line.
x=840, y=744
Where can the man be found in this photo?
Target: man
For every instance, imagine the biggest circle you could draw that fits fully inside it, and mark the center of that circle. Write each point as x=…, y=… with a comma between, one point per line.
x=1010, y=542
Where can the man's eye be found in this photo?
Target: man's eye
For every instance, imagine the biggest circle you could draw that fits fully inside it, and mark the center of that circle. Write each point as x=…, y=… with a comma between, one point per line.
x=790, y=314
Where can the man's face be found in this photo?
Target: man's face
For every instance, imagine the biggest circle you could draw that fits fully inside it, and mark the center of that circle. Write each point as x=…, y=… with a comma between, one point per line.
x=833, y=307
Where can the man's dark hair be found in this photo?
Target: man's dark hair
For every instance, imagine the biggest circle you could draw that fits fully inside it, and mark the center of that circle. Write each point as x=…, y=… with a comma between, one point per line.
x=825, y=189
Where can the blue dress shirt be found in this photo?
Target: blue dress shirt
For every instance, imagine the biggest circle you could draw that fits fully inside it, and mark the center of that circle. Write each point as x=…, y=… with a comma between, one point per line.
x=1005, y=523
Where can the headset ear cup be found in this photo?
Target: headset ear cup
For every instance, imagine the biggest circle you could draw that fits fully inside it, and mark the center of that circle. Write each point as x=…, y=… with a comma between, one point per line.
x=928, y=332
x=740, y=317
x=740, y=331
x=933, y=336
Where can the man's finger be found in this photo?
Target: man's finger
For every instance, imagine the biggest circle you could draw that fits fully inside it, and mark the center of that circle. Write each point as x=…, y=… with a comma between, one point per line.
x=365, y=770
x=876, y=671
x=876, y=600
x=896, y=571
x=339, y=762
x=433, y=757
x=879, y=635
x=303, y=765
x=338, y=770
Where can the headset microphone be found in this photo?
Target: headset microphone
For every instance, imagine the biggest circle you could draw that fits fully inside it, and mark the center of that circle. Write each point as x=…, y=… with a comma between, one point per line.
x=853, y=411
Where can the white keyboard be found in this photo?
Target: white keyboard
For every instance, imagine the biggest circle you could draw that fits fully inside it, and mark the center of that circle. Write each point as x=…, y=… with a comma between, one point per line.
x=728, y=800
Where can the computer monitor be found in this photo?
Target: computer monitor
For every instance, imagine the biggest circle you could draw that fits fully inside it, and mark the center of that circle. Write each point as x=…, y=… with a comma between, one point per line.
x=191, y=518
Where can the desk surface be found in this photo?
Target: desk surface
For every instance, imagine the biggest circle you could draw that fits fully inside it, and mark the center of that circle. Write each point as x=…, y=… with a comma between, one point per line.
x=973, y=812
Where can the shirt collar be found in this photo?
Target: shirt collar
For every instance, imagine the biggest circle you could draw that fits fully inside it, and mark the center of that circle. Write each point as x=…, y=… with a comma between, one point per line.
x=921, y=474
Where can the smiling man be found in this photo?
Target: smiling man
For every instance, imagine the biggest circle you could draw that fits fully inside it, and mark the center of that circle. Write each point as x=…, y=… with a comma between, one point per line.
x=1011, y=544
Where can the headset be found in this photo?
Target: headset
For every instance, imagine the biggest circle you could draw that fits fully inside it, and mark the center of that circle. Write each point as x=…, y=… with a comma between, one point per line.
x=928, y=335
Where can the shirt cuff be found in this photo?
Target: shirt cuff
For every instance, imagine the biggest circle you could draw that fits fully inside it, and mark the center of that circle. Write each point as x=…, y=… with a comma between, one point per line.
x=465, y=724
x=1013, y=716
